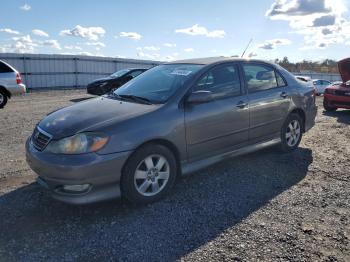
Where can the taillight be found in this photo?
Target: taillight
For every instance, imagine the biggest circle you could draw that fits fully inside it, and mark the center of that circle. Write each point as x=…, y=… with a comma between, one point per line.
x=18, y=79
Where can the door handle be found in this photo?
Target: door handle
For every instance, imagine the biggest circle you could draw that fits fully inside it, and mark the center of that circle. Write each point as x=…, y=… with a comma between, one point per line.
x=241, y=104
x=284, y=95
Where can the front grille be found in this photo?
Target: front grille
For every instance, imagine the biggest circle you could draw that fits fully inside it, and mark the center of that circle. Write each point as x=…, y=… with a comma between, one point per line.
x=40, y=139
x=340, y=93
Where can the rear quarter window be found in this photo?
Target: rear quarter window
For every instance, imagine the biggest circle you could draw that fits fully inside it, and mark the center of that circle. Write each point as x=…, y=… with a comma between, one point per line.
x=4, y=68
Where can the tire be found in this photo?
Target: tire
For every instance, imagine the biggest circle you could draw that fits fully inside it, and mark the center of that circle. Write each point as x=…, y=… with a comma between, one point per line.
x=3, y=99
x=140, y=174
x=291, y=133
x=327, y=107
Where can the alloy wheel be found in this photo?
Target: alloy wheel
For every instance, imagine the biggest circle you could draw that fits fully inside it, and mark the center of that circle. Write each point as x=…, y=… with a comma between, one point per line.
x=151, y=175
x=293, y=133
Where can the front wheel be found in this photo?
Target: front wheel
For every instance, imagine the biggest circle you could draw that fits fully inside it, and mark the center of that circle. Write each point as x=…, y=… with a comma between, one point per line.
x=3, y=99
x=291, y=133
x=149, y=174
x=327, y=106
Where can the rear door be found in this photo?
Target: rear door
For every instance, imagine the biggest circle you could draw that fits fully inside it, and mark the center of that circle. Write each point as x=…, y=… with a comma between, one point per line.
x=221, y=124
x=269, y=100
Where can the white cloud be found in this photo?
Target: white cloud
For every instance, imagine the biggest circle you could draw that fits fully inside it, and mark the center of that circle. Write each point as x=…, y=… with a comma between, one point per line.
x=252, y=54
x=52, y=43
x=196, y=30
x=131, y=35
x=86, y=53
x=25, y=7
x=169, y=45
x=189, y=50
x=90, y=33
x=9, y=31
x=148, y=48
x=23, y=44
x=39, y=32
x=274, y=43
x=72, y=47
x=97, y=44
x=320, y=22
x=148, y=56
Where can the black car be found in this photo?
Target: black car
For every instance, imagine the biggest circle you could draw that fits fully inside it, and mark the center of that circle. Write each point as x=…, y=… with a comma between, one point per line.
x=114, y=81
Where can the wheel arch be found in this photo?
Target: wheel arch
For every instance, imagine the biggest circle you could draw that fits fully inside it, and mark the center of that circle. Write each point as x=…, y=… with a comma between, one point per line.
x=5, y=91
x=166, y=143
x=301, y=113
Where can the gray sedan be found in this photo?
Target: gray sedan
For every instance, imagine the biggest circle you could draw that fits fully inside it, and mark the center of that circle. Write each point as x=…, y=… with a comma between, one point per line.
x=172, y=120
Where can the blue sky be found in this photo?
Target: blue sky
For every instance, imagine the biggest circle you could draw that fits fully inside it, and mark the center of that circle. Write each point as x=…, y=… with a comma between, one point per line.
x=168, y=30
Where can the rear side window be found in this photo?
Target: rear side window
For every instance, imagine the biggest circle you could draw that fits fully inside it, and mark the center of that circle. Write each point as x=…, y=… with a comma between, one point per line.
x=280, y=80
x=4, y=68
x=259, y=77
x=135, y=73
x=222, y=81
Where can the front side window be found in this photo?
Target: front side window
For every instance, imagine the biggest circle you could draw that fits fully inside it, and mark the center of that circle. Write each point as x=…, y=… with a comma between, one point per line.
x=222, y=81
x=159, y=83
x=259, y=77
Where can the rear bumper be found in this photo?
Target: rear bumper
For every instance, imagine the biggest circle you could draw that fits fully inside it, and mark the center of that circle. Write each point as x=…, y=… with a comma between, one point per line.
x=100, y=172
x=310, y=117
x=17, y=89
x=338, y=101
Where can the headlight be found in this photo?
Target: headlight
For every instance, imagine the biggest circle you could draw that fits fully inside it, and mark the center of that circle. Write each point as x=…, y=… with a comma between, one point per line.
x=78, y=144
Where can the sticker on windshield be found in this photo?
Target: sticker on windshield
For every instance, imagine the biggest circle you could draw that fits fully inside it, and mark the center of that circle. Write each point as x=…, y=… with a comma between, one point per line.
x=180, y=72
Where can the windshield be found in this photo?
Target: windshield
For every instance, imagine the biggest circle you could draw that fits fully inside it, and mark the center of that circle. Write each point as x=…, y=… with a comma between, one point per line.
x=158, y=84
x=120, y=73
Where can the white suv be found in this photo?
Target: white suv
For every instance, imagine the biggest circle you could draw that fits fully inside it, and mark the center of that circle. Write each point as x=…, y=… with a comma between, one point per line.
x=10, y=83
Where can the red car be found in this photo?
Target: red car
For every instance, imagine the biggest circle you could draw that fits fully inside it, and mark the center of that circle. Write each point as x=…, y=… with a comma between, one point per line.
x=338, y=95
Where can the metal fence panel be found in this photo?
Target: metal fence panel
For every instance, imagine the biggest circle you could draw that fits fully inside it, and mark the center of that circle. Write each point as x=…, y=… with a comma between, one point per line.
x=67, y=71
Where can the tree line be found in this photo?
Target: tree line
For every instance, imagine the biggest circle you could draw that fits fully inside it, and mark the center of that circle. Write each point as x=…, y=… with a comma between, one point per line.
x=325, y=66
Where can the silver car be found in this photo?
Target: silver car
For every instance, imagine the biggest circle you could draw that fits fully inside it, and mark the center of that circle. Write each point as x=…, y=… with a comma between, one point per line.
x=172, y=120
x=10, y=83
x=320, y=85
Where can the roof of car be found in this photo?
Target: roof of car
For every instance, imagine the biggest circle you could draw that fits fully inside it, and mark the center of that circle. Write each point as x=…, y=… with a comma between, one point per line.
x=212, y=60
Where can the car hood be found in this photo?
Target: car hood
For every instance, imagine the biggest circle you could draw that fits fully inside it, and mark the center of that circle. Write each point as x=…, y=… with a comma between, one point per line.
x=91, y=115
x=344, y=69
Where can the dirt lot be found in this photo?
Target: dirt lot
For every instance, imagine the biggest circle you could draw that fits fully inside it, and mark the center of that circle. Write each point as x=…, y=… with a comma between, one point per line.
x=263, y=206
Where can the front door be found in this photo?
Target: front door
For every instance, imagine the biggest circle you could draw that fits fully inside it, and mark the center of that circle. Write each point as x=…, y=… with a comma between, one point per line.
x=219, y=125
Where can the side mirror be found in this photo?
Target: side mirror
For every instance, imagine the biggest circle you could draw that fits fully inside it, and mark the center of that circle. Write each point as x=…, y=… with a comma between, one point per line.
x=200, y=96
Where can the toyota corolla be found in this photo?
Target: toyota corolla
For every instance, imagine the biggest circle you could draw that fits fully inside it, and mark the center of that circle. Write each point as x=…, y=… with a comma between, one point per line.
x=172, y=120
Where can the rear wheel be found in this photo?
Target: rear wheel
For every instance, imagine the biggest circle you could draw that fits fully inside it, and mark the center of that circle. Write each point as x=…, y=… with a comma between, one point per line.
x=327, y=106
x=291, y=133
x=3, y=99
x=149, y=174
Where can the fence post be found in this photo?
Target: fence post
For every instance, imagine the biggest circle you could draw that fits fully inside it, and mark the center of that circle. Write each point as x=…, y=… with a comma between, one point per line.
x=76, y=71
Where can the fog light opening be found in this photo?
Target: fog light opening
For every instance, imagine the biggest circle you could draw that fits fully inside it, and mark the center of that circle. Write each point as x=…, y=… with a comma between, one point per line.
x=76, y=188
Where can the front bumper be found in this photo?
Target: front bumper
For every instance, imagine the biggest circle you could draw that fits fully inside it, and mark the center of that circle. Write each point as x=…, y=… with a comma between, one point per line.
x=101, y=172
x=17, y=89
x=338, y=101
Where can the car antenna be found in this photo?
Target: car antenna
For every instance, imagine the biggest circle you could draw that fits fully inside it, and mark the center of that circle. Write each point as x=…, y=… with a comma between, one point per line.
x=250, y=41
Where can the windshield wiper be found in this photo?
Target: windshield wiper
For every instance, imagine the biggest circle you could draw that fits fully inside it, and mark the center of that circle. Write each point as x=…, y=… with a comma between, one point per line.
x=139, y=99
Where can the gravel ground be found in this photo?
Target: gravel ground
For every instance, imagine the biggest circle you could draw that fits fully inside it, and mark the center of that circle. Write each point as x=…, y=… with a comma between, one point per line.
x=263, y=206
